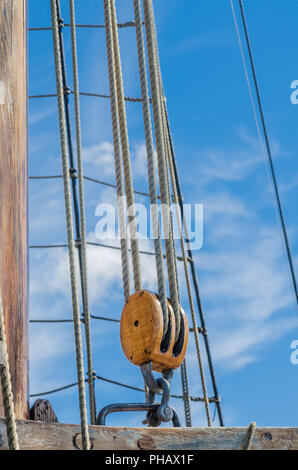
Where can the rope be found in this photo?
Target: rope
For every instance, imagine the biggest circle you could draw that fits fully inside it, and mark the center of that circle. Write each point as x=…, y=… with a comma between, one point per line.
x=119, y=102
x=166, y=162
x=188, y=283
x=117, y=152
x=160, y=128
x=95, y=317
x=69, y=223
x=111, y=22
x=203, y=328
x=55, y=390
x=186, y=396
x=251, y=431
x=127, y=24
x=84, y=93
x=162, y=168
x=7, y=396
x=82, y=216
x=114, y=382
x=102, y=245
x=269, y=153
x=87, y=178
x=151, y=166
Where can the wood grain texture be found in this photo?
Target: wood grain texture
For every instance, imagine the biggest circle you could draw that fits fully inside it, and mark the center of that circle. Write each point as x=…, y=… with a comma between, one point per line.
x=13, y=193
x=57, y=436
x=141, y=332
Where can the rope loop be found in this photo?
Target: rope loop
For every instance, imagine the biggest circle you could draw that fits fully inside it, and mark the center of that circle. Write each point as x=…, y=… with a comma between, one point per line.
x=251, y=431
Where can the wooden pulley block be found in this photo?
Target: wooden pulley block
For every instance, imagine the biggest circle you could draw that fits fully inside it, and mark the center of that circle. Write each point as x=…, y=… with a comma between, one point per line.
x=141, y=333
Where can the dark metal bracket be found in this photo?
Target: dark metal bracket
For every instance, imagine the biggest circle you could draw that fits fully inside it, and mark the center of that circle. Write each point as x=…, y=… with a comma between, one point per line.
x=156, y=412
x=151, y=409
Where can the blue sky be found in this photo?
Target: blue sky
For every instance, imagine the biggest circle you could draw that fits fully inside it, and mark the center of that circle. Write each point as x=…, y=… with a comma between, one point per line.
x=243, y=274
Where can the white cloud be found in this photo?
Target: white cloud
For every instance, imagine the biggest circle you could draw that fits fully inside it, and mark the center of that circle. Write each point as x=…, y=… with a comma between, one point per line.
x=100, y=156
x=37, y=117
x=225, y=205
x=45, y=345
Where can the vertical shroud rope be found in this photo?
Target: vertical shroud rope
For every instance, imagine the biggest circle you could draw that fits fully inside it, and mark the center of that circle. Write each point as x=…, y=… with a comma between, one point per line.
x=121, y=145
x=160, y=137
x=117, y=152
x=187, y=277
x=70, y=236
x=82, y=214
x=164, y=127
x=150, y=164
x=6, y=387
x=161, y=157
x=195, y=281
x=113, y=43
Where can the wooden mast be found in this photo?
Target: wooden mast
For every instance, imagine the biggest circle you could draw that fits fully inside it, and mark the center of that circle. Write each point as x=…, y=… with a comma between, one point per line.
x=13, y=194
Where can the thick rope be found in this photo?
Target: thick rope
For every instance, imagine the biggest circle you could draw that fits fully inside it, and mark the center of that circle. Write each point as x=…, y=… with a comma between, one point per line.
x=117, y=152
x=70, y=236
x=251, y=431
x=161, y=156
x=134, y=243
x=6, y=387
x=188, y=284
x=151, y=165
x=160, y=129
x=112, y=19
x=82, y=215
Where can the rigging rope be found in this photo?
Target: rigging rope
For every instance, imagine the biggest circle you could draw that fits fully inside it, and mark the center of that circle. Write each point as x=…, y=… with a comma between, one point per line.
x=151, y=166
x=69, y=223
x=103, y=245
x=268, y=147
x=111, y=21
x=117, y=152
x=120, y=384
x=82, y=215
x=122, y=161
x=6, y=387
x=156, y=84
x=188, y=284
x=162, y=167
x=127, y=24
x=203, y=328
x=88, y=178
x=84, y=93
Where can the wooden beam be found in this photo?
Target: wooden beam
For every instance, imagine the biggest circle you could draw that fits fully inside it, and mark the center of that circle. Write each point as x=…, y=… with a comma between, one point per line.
x=13, y=193
x=57, y=436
